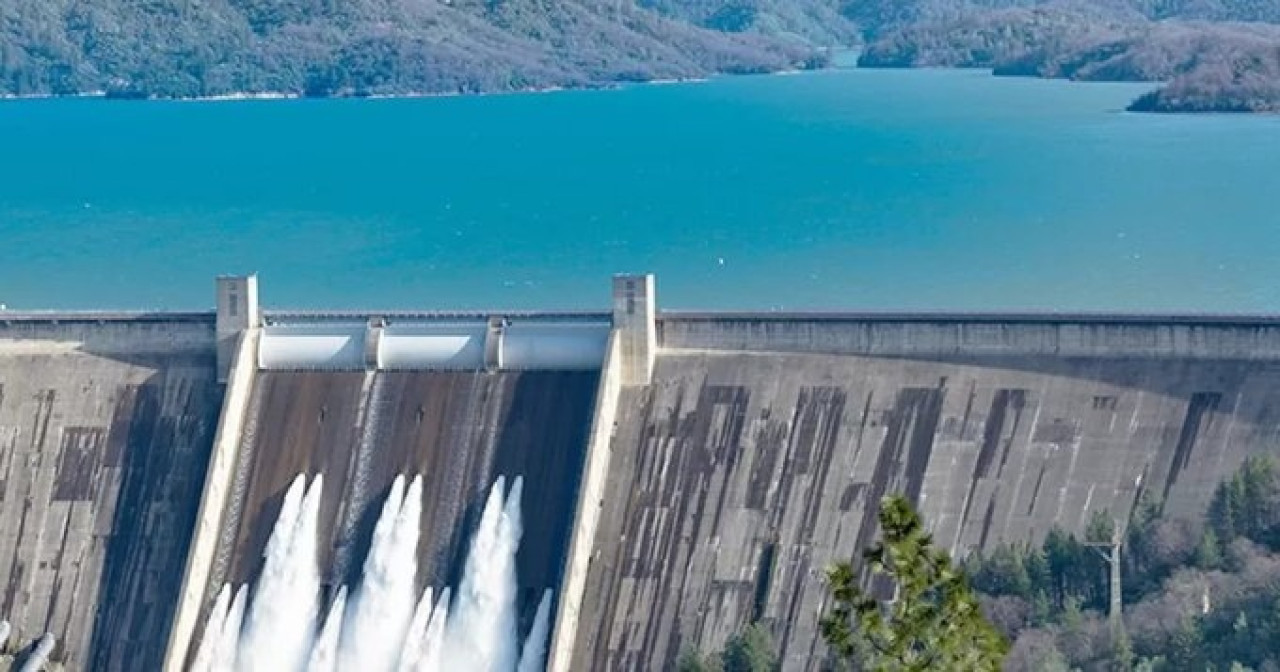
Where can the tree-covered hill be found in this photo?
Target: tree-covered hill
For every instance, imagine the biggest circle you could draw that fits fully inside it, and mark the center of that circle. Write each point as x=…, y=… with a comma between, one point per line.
x=817, y=22
x=1216, y=55
x=356, y=47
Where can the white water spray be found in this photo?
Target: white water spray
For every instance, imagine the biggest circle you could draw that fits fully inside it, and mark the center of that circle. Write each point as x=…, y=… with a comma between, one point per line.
x=433, y=647
x=534, y=653
x=415, y=638
x=324, y=655
x=213, y=629
x=482, y=637
x=281, y=621
x=381, y=627
x=227, y=648
x=373, y=637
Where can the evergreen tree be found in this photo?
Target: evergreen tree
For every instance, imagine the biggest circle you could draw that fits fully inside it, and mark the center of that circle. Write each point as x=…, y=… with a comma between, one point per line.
x=1101, y=527
x=1121, y=652
x=692, y=661
x=1187, y=646
x=933, y=622
x=1209, y=551
x=1259, y=495
x=1225, y=510
x=750, y=651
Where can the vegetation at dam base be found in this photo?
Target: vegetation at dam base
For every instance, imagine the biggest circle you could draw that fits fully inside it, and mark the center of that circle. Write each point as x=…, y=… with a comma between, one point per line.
x=932, y=622
x=1196, y=595
x=932, y=619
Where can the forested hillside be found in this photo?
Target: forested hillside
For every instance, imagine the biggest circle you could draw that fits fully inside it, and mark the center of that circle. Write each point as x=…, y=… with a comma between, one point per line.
x=1217, y=55
x=356, y=47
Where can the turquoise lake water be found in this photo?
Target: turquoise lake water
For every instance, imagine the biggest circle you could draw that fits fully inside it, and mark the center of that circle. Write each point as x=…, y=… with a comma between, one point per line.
x=841, y=189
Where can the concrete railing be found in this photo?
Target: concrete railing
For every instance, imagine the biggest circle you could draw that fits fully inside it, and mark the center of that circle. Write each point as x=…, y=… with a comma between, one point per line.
x=125, y=336
x=1206, y=337
x=591, y=493
x=222, y=464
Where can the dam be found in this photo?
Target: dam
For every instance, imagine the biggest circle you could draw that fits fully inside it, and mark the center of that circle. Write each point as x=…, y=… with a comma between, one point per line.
x=682, y=474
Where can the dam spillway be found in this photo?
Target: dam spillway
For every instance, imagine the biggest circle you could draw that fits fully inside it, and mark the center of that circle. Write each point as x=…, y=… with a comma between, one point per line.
x=683, y=473
x=459, y=431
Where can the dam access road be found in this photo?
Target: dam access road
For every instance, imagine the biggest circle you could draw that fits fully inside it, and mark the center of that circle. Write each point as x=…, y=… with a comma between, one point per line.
x=684, y=473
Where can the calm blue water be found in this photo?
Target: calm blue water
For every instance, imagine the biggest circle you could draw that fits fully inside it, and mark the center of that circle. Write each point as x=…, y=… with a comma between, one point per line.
x=843, y=189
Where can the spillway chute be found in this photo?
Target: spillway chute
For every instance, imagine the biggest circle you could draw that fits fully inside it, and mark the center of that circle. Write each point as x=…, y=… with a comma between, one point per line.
x=381, y=627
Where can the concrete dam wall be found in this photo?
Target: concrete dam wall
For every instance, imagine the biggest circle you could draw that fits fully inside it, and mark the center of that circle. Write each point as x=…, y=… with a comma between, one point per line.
x=684, y=473
x=756, y=456
x=105, y=431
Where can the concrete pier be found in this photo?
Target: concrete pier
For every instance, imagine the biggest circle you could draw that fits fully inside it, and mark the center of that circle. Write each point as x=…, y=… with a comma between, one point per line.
x=213, y=502
x=591, y=497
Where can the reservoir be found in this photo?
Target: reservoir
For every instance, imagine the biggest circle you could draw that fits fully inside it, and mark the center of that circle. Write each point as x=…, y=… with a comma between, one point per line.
x=850, y=189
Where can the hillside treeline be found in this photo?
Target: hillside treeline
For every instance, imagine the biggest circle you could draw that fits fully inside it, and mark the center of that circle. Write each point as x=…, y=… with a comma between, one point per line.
x=184, y=48
x=1198, y=595
x=1216, y=55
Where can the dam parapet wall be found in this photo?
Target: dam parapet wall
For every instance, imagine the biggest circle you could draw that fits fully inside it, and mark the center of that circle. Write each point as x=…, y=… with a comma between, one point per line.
x=926, y=335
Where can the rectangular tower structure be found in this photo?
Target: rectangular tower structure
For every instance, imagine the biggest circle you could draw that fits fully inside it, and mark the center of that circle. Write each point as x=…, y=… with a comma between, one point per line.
x=635, y=321
x=237, y=312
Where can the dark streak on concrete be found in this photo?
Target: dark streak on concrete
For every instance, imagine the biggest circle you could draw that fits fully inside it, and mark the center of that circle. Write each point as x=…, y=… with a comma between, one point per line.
x=742, y=476
x=102, y=455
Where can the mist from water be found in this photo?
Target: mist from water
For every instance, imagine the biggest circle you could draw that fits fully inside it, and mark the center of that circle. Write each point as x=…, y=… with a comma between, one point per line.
x=383, y=625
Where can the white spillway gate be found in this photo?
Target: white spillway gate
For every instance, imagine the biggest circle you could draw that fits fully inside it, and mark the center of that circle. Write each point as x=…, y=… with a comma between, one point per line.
x=325, y=346
x=449, y=345
x=417, y=344
x=553, y=346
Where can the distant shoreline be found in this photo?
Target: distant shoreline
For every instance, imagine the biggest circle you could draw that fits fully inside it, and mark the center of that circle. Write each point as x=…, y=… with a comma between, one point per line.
x=241, y=96
x=245, y=96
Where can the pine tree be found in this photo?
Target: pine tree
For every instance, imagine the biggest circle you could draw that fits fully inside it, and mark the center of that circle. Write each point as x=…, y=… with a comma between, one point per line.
x=934, y=621
x=1209, y=551
x=750, y=651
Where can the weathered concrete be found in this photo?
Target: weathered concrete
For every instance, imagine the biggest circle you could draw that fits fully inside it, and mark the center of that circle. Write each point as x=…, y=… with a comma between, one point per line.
x=634, y=319
x=238, y=311
x=105, y=427
x=756, y=456
x=926, y=335
x=591, y=498
x=217, y=487
x=460, y=430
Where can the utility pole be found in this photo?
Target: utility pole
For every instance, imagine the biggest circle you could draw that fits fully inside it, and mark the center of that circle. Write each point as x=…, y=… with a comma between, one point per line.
x=1112, y=556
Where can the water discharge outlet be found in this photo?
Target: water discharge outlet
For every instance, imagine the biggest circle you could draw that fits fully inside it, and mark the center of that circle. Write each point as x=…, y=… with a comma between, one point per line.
x=385, y=625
